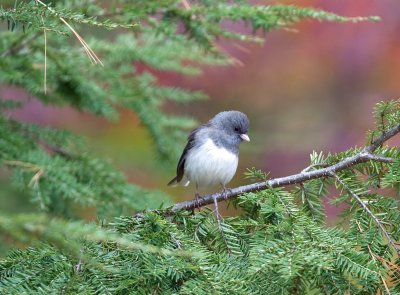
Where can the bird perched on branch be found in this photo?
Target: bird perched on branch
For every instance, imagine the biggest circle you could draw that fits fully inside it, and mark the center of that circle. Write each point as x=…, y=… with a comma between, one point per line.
x=211, y=153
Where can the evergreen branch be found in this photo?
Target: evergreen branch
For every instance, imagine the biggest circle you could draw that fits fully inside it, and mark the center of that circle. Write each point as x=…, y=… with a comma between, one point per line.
x=313, y=166
x=47, y=146
x=90, y=53
x=40, y=227
x=374, y=258
x=20, y=45
x=231, y=58
x=365, y=207
x=378, y=158
x=363, y=156
x=386, y=135
x=53, y=149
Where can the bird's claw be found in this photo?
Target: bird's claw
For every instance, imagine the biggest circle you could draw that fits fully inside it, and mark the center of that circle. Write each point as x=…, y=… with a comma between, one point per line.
x=225, y=192
x=197, y=200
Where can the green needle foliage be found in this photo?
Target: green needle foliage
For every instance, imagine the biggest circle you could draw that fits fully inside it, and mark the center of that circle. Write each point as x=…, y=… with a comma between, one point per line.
x=279, y=242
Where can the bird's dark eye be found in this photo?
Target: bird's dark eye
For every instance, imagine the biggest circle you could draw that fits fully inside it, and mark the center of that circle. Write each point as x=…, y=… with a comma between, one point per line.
x=236, y=129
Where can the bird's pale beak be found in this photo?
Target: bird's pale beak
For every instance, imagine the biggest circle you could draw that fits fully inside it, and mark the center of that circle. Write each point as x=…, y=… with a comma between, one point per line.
x=245, y=137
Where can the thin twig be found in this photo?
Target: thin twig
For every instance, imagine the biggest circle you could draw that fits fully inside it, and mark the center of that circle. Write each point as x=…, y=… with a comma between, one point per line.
x=219, y=48
x=186, y=4
x=373, y=255
x=53, y=149
x=363, y=156
x=20, y=45
x=313, y=166
x=232, y=58
x=365, y=207
x=79, y=265
x=218, y=217
x=45, y=61
x=177, y=242
x=241, y=48
x=378, y=158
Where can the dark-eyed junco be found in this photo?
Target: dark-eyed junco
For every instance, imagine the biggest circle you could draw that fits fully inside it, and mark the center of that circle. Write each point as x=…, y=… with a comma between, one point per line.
x=211, y=154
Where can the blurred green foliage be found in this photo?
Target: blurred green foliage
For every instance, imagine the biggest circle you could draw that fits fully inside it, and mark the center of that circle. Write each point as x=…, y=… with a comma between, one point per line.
x=279, y=243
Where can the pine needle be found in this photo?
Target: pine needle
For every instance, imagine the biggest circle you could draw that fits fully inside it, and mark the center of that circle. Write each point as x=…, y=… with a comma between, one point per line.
x=90, y=53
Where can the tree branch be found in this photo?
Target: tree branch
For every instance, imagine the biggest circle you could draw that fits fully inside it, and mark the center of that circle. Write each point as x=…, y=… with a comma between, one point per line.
x=20, y=45
x=364, y=155
x=365, y=207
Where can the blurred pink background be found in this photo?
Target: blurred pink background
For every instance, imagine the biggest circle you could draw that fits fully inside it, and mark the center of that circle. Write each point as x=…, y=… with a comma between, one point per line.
x=313, y=89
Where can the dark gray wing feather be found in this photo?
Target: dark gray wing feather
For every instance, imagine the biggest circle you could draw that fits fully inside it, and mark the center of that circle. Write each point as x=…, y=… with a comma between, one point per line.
x=180, y=169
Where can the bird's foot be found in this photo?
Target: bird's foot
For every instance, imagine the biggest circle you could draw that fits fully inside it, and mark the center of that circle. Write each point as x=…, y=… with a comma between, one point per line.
x=225, y=192
x=197, y=200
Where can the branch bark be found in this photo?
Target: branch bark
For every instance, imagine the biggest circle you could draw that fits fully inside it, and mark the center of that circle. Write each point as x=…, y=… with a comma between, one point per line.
x=365, y=155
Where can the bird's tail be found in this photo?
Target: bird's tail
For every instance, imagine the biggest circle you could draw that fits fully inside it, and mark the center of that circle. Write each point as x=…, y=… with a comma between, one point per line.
x=173, y=182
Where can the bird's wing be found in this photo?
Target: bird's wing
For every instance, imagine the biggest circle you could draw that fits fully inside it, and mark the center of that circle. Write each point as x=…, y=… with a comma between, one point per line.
x=180, y=169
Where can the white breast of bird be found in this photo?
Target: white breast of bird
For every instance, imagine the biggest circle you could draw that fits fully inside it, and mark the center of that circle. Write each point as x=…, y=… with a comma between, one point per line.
x=210, y=165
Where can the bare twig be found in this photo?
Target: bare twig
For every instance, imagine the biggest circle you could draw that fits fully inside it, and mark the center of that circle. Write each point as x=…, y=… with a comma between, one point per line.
x=186, y=4
x=221, y=230
x=45, y=62
x=363, y=156
x=374, y=258
x=313, y=166
x=20, y=45
x=79, y=265
x=53, y=149
x=378, y=158
x=365, y=207
x=45, y=59
x=48, y=147
x=232, y=59
x=177, y=242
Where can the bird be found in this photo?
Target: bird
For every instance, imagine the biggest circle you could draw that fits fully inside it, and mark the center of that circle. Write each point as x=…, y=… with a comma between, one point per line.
x=211, y=154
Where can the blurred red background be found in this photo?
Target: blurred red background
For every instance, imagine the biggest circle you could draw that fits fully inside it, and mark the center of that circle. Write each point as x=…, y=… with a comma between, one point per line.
x=313, y=89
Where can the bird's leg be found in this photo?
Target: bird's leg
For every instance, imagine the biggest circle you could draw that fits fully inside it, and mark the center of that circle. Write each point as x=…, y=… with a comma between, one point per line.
x=197, y=197
x=216, y=211
x=219, y=217
x=225, y=192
